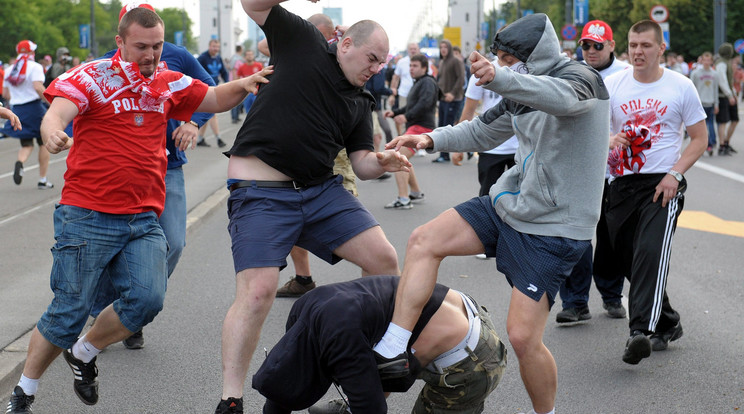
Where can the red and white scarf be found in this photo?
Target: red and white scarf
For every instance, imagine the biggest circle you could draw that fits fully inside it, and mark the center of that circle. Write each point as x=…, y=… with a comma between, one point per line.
x=18, y=71
x=104, y=80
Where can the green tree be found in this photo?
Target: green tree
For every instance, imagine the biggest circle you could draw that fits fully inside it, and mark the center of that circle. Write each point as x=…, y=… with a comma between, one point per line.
x=178, y=20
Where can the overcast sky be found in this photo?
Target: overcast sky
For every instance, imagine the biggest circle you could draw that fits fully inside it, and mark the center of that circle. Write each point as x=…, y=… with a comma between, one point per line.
x=396, y=16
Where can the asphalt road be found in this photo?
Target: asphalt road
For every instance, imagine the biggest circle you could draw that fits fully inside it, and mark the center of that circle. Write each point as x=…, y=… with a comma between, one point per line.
x=178, y=371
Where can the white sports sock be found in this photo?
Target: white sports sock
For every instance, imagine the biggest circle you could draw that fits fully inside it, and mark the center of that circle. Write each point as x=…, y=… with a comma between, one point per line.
x=43, y=180
x=84, y=350
x=29, y=386
x=394, y=342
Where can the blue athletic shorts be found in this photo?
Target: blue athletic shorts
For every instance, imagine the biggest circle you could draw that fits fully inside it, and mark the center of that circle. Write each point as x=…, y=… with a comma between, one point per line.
x=266, y=222
x=533, y=264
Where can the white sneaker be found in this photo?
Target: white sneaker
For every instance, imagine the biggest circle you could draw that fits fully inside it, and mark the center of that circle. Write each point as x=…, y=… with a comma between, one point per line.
x=399, y=205
x=481, y=256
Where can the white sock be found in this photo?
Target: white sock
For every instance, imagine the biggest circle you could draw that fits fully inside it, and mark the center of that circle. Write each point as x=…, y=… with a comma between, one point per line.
x=84, y=350
x=404, y=200
x=29, y=386
x=394, y=342
x=549, y=412
x=43, y=180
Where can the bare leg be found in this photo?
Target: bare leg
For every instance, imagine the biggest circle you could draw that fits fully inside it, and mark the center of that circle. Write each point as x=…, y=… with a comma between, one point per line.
x=525, y=325
x=214, y=125
x=203, y=129
x=371, y=251
x=401, y=180
x=301, y=260
x=43, y=161
x=41, y=353
x=730, y=131
x=24, y=153
x=413, y=182
x=107, y=329
x=254, y=293
x=447, y=235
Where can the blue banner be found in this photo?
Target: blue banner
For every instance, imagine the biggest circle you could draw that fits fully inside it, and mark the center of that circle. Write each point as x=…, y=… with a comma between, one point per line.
x=484, y=30
x=500, y=23
x=178, y=38
x=581, y=12
x=84, y=35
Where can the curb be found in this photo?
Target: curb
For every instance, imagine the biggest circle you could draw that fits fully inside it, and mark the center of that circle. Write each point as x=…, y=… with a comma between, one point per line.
x=13, y=356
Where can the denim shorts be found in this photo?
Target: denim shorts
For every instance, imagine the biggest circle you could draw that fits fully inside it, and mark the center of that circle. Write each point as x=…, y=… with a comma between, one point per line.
x=131, y=248
x=534, y=264
x=464, y=386
x=266, y=222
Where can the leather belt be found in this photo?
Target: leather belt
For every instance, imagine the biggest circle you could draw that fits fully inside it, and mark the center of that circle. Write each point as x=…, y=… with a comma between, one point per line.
x=267, y=184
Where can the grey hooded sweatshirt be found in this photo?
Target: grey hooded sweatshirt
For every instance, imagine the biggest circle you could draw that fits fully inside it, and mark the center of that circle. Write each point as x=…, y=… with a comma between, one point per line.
x=560, y=113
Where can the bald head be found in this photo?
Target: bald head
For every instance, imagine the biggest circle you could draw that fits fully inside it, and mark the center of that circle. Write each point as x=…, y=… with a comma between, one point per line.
x=362, y=31
x=323, y=23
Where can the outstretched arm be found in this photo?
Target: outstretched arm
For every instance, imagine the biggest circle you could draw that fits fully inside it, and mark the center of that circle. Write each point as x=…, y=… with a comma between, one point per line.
x=59, y=115
x=258, y=10
x=228, y=95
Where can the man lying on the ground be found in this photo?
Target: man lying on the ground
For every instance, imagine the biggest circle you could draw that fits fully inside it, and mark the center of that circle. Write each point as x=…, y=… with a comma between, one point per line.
x=330, y=334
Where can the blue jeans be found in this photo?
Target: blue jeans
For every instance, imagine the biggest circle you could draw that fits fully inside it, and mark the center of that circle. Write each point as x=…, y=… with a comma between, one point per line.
x=448, y=116
x=248, y=102
x=130, y=248
x=235, y=113
x=173, y=223
x=710, y=122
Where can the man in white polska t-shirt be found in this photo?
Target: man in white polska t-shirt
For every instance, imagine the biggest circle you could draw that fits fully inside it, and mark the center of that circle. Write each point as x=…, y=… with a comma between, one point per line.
x=649, y=105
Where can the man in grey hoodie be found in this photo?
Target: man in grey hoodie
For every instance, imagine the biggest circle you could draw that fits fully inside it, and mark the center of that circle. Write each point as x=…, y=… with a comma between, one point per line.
x=539, y=216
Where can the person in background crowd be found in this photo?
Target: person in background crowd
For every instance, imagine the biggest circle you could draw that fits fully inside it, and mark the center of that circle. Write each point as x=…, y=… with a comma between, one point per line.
x=728, y=110
x=212, y=63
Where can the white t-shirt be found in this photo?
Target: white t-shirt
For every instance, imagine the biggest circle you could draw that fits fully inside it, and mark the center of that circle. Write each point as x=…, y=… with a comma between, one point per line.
x=663, y=107
x=25, y=92
x=488, y=100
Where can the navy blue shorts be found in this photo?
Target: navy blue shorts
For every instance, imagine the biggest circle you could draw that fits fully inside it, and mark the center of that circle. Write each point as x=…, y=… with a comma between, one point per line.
x=533, y=264
x=266, y=222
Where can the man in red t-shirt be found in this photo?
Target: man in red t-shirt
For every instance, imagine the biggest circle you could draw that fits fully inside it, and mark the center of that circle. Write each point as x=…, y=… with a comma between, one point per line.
x=107, y=220
x=247, y=69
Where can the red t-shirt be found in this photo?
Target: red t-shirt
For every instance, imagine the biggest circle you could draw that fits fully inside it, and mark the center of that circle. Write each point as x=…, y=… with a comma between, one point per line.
x=117, y=163
x=246, y=70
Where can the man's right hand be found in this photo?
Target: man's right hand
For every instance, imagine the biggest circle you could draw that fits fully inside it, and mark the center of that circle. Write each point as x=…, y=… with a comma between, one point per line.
x=58, y=141
x=619, y=140
x=411, y=141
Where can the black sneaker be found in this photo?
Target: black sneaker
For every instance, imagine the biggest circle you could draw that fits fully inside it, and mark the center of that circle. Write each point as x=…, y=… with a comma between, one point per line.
x=220, y=142
x=660, y=340
x=573, y=315
x=337, y=406
x=136, y=341
x=85, y=385
x=391, y=368
x=202, y=143
x=230, y=406
x=637, y=347
x=615, y=310
x=44, y=186
x=19, y=403
x=18, y=173
x=416, y=198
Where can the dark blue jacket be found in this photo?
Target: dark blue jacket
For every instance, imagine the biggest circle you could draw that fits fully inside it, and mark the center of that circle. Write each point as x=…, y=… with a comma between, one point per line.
x=213, y=66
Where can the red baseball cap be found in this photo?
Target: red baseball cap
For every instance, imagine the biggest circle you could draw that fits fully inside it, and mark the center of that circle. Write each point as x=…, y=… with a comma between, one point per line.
x=25, y=46
x=597, y=31
x=133, y=5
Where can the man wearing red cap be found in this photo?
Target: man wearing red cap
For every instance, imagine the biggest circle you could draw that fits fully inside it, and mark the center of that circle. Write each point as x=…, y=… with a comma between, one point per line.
x=107, y=219
x=598, y=50
x=24, y=90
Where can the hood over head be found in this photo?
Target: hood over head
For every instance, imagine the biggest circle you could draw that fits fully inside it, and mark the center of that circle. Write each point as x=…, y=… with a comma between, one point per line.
x=532, y=40
x=449, y=47
x=726, y=50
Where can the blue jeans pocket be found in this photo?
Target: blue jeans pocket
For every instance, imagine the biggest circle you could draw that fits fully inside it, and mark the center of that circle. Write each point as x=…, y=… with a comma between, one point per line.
x=67, y=268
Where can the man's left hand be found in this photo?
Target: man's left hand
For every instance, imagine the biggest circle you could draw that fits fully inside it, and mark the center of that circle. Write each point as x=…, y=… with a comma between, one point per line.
x=482, y=68
x=185, y=135
x=393, y=161
x=667, y=188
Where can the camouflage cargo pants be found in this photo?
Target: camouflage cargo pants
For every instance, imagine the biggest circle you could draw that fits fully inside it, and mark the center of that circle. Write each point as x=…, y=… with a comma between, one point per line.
x=464, y=386
x=342, y=166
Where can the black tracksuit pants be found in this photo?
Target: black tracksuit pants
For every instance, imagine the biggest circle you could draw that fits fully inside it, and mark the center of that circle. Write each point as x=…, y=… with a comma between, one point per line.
x=641, y=233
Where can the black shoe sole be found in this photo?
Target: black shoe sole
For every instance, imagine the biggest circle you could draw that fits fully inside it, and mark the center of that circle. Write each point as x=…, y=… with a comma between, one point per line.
x=18, y=173
x=637, y=348
x=581, y=317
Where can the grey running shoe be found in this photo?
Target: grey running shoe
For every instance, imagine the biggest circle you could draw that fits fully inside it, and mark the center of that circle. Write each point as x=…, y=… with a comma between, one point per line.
x=637, y=347
x=660, y=340
x=614, y=310
x=399, y=205
x=573, y=315
x=337, y=406
x=136, y=341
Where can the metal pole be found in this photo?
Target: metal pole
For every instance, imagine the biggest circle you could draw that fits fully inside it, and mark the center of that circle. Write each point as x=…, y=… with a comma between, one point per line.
x=569, y=12
x=93, y=45
x=719, y=23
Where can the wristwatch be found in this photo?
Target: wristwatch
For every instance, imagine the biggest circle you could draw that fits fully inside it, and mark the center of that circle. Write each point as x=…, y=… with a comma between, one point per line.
x=676, y=174
x=194, y=124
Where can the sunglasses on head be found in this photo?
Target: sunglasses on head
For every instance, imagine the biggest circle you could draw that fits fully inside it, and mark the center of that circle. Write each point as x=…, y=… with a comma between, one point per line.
x=597, y=46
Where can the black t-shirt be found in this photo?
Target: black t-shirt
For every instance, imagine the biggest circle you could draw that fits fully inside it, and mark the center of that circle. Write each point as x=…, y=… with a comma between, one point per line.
x=308, y=111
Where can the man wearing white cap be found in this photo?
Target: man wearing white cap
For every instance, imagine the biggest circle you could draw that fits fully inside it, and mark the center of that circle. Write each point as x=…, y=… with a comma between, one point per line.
x=24, y=90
